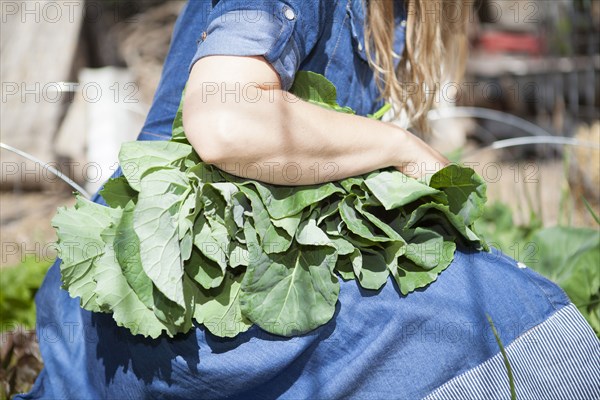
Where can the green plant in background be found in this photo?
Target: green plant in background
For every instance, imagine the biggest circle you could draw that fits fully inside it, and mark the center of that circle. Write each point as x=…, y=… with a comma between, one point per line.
x=20, y=361
x=18, y=285
x=568, y=256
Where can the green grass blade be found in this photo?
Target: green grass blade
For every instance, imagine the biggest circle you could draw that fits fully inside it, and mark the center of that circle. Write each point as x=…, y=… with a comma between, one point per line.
x=511, y=380
x=589, y=207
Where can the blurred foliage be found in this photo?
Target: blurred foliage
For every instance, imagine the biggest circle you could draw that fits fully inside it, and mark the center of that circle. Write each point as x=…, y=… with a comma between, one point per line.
x=20, y=362
x=18, y=285
x=566, y=255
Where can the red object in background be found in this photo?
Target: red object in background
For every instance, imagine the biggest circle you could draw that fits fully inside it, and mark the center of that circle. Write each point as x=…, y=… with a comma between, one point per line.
x=510, y=42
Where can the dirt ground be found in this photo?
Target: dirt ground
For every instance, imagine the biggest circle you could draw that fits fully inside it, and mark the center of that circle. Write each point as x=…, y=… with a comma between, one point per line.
x=25, y=228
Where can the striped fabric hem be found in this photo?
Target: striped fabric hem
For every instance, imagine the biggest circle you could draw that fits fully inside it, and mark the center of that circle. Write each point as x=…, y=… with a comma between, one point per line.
x=558, y=359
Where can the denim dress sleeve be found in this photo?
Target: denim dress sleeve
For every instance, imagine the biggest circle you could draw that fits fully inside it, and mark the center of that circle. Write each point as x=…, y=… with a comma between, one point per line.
x=284, y=32
x=435, y=343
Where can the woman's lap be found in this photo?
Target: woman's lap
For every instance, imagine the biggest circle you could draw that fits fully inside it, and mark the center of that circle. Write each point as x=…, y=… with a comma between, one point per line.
x=376, y=344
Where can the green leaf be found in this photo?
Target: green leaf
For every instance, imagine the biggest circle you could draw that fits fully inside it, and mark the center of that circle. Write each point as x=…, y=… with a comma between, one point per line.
x=384, y=227
x=310, y=234
x=346, y=264
x=343, y=246
x=425, y=247
x=445, y=222
x=358, y=225
x=208, y=244
x=156, y=224
x=115, y=293
x=410, y=276
x=373, y=272
x=116, y=192
x=139, y=157
x=80, y=246
x=271, y=238
x=569, y=257
x=178, y=134
x=288, y=224
x=317, y=89
x=289, y=293
x=206, y=272
x=205, y=173
x=127, y=251
x=238, y=254
x=394, y=189
x=285, y=201
x=219, y=309
x=465, y=190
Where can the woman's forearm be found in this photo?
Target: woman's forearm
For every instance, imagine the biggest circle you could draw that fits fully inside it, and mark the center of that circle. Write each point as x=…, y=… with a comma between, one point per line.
x=264, y=133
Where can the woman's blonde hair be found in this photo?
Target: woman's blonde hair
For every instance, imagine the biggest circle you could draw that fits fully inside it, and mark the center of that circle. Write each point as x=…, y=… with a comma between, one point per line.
x=435, y=51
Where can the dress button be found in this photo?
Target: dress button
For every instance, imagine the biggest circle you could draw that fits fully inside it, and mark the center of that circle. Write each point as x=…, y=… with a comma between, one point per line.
x=204, y=36
x=360, y=46
x=403, y=23
x=289, y=13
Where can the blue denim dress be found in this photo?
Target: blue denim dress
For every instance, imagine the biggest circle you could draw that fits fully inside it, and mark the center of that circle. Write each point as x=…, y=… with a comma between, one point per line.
x=435, y=343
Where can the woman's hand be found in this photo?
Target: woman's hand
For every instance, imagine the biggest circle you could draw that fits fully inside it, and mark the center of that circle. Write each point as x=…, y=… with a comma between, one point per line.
x=417, y=159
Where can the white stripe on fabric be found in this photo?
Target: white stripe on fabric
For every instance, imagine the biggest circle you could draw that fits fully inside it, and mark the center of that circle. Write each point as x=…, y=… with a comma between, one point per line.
x=558, y=359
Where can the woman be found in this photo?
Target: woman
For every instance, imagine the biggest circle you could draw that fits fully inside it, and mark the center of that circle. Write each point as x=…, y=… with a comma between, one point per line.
x=242, y=57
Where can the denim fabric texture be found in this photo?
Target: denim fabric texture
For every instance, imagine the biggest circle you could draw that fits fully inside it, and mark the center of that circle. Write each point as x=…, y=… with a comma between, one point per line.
x=379, y=345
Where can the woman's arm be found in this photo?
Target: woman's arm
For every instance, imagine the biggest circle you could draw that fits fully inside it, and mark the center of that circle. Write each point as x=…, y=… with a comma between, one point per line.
x=237, y=117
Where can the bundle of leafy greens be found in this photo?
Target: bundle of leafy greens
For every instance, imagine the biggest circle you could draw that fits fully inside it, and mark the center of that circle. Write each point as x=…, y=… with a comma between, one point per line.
x=183, y=241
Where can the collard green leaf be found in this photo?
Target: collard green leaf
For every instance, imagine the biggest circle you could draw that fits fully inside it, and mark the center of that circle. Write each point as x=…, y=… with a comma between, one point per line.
x=359, y=226
x=271, y=238
x=238, y=254
x=465, y=191
x=178, y=134
x=440, y=216
x=217, y=199
x=316, y=89
x=353, y=185
x=285, y=201
x=373, y=272
x=204, y=271
x=425, y=247
x=205, y=173
x=394, y=189
x=289, y=293
x=139, y=157
x=329, y=209
x=208, y=244
x=289, y=224
x=80, y=246
x=409, y=276
x=115, y=293
x=342, y=245
x=310, y=234
x=345, y=264
x=127, y=252
x=385, y=228
x=219, y=309
x=116, y=192
x=156, y=225
x=190, y=207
